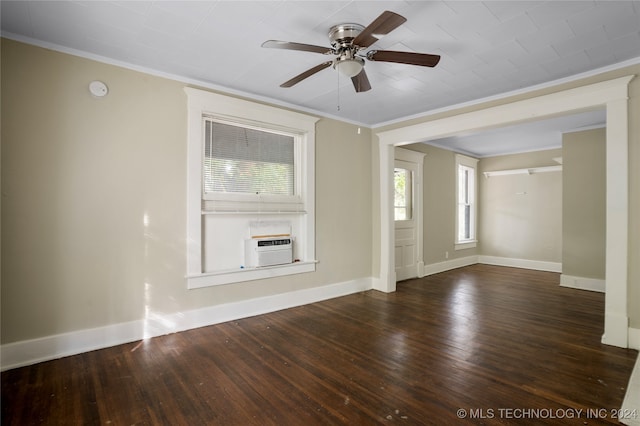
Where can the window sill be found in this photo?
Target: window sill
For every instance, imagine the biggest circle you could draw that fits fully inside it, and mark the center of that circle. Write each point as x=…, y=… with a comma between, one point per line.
x=210, y=279
x=465, y=245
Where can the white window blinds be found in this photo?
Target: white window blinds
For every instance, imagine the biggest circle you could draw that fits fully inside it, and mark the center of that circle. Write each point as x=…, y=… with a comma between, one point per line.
x=244, y=160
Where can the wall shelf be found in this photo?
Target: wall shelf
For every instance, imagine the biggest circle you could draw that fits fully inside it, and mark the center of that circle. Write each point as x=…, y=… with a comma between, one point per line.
x=252, y=213
x=527, y=171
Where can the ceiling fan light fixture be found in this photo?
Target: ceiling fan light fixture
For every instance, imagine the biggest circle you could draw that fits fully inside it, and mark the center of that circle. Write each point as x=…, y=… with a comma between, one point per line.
x=349, y=67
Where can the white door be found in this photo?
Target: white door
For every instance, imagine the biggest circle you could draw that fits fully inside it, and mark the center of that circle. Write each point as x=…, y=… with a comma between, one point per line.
x=407, y=177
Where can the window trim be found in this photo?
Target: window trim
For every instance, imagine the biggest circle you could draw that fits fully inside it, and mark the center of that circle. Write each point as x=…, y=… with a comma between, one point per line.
x=202, y=103
x=472, y=163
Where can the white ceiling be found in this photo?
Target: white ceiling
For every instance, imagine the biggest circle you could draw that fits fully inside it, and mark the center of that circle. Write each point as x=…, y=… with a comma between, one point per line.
x=526, y=137
x=487, y=48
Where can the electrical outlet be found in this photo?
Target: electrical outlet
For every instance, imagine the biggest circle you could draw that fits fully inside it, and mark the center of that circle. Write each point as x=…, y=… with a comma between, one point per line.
x=446, y=254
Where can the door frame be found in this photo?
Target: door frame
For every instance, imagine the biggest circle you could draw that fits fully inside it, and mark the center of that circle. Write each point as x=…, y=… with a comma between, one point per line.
x=417, y=191
x=610, y=94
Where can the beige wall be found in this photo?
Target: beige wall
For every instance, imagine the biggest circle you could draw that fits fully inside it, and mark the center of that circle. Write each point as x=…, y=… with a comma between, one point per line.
x=343, y=202
x=584, y=204
x=79, y=174
x=520, y=216
x=439, y=205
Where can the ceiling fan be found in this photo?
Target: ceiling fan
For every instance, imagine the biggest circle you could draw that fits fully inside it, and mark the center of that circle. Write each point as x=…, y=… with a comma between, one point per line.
x=346, y=41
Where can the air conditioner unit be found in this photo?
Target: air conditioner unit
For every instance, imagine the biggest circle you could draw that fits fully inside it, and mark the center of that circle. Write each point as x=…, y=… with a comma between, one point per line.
x=272, y=251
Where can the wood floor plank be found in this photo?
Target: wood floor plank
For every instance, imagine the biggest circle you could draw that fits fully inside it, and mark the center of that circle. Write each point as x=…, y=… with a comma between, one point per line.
x=506, y=345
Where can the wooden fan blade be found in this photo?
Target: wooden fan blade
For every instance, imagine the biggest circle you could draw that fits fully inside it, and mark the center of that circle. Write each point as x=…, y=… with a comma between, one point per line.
x=361, y=82
x=382, y=25
x=411, y=58
x=308, y=73
x=288, y=45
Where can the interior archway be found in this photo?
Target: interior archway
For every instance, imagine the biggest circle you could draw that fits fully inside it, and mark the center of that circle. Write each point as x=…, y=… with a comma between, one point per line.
x=612, y=95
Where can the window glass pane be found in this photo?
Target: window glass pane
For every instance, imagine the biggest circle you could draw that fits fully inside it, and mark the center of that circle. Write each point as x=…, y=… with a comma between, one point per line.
x=402, y=193
x=461, y=224
x=465, y=176
x=466, y=185
x=243, y=160
x=467, y=222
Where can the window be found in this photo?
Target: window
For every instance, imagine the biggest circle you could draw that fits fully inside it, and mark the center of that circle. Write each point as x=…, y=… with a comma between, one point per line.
x=402, y=195
x=466, y=202
x=246, y=163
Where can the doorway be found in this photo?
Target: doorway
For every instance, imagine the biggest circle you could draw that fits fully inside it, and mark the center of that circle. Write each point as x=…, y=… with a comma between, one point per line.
x=407, y=211
x=613, y=95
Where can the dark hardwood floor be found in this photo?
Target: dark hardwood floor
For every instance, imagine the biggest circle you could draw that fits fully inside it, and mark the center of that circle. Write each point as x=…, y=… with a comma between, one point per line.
x=505, y=345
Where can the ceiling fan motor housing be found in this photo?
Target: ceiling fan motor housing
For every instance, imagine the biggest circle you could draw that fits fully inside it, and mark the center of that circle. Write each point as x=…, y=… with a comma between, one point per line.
x=341, y=38
x=342, y=35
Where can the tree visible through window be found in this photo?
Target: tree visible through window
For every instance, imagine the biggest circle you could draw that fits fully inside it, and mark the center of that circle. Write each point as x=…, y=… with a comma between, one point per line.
x=402, y=195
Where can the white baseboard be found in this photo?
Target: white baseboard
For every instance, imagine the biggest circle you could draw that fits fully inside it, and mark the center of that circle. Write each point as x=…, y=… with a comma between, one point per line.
x=582, y=283
x=537, y=265
x=616, y=329
x=447, y=265
x=29, y=352
x=630, y=410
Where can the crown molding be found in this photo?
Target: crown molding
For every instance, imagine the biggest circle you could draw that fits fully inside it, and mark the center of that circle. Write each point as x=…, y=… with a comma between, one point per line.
x=276, y=102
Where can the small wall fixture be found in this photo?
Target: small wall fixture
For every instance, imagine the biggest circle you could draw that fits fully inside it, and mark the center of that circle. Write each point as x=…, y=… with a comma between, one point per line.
x=98, y=89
